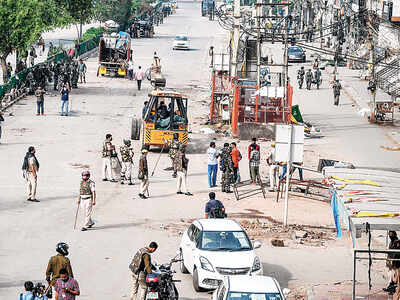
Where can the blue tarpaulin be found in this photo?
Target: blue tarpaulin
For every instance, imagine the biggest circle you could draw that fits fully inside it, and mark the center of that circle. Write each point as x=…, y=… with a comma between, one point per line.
x=334, y=206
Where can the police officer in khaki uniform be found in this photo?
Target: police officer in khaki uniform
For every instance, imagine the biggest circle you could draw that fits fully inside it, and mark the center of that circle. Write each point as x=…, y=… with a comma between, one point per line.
x=107, y=153
x=173, y=151
x=127, y=162
x=181, y=163
x=58, y=262
x=140, y=267
x=87, y=195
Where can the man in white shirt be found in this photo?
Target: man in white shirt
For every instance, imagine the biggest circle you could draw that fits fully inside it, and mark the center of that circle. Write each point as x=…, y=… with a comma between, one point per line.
x=273, y=168
x=212, y=154
x=130, y=70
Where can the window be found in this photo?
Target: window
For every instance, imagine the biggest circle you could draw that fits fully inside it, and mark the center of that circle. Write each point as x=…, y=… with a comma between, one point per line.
x=253, y=296
x=190, y=232
x=181, y=38
x=224, y=240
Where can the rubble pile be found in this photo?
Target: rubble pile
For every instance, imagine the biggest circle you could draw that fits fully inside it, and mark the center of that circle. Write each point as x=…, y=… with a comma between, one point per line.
x=279, y=236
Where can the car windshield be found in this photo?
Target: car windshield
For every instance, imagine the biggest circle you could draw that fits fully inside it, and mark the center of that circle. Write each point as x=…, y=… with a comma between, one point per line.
x=253, y=296
x=295, y=50
x=224, y=240
x=181, y=38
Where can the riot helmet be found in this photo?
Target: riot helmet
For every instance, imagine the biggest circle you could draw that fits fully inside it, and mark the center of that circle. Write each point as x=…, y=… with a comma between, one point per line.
x=62, y=248
x=85, y=175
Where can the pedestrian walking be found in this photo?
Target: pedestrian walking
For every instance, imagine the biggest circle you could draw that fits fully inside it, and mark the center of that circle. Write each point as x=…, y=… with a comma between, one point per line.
x=32, y=56
x=130, y=70
x=255, y=166
x=65, y=99
x=67, y=288
x=141, y=266
x=139, y=77
x=40, y=101
x=30, y=169
x=181, y=163
x=174, y=147
x=57, y=263
x=226, y=165
x=236, y=157
x=127, y=162
x=1, y=126
x=107, y=153
x=87, y=195
x=82, y=71
x=212, y=156
x=336, y=91
x=309, y=79
x=77, y=49
x=273, y=168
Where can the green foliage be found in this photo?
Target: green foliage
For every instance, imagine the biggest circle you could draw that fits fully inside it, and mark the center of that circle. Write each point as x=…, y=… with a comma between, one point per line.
x=77, y=11
x=23, y=21
x=92, y=33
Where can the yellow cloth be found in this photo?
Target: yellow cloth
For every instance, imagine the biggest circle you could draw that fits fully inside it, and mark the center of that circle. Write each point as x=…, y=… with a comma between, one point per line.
x=364, y=182
x=363, y=214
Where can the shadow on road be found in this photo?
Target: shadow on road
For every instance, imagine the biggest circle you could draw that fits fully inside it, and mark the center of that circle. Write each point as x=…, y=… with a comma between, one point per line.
x=113, y=226
x=279, y=273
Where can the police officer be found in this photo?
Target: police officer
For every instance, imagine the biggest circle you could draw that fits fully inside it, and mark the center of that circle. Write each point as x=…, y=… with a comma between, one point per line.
x=309, y=79
x=87, y=194
x=336, y=91
x=108, y=149
x=58, y=262
x=140, y=267
x=214, y=208
x=226, y=164
x=180, y=166
x=317, y=77
x=300, y=77
x=127, y=161
x=173, y=151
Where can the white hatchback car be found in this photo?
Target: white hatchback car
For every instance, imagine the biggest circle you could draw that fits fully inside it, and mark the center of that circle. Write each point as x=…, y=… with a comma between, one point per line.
x=213, y=248
x=243, y=287
x=181, y=42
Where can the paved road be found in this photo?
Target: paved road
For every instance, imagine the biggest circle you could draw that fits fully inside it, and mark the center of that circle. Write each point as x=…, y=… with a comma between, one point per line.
x=65, y=145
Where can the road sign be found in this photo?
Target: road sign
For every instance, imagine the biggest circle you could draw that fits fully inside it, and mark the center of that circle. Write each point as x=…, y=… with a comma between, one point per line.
x=282, y=136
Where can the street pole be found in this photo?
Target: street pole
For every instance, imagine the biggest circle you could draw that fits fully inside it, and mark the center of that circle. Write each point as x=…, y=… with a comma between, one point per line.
x=259, y=3
x=286, y=67
x=236, y=36
x=372, y=57
x=289, y=165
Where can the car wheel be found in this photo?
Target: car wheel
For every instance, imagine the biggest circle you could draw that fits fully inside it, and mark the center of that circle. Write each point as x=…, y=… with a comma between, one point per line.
x=182, y=264
x=196, y=286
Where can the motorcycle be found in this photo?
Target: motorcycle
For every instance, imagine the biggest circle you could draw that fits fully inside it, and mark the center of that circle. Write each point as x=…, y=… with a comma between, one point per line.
x=160, y=283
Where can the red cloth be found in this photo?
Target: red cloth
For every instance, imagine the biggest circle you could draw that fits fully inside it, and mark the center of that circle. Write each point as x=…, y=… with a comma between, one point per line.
x=249, y=149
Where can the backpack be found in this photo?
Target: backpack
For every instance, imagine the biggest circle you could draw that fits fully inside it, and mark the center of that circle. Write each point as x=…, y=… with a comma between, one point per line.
x=216, y=212
x=137, y=261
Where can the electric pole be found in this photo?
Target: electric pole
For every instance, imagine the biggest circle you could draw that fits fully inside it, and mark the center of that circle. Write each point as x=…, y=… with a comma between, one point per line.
x=258, y=15
x=236, y=37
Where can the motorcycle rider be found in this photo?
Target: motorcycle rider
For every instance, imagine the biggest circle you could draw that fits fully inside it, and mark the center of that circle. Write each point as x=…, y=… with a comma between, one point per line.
x=140, y=267
x=214, y=208
x=58, y=262
x=300, y=77
x=309, y=79
x=317, y=77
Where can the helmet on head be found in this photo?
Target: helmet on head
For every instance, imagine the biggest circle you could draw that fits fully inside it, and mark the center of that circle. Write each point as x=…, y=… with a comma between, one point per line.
x=85, y=175
x=176, y=136
x=62, y=248
x=127, y=142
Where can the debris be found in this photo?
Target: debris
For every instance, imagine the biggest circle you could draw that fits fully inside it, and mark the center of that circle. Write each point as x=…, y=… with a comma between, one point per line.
x=300, y=234
x=277, y=243
x=207, y=130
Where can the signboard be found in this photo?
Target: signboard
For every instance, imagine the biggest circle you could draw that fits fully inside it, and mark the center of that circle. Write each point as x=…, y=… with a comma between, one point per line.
x=282, y=147
x=396, y=12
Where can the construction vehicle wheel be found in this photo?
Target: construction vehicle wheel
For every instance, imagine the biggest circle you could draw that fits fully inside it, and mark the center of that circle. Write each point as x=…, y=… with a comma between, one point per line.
x=135, y=129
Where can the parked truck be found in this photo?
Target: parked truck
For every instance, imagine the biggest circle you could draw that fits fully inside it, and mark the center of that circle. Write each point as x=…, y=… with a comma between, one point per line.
x=114, y=54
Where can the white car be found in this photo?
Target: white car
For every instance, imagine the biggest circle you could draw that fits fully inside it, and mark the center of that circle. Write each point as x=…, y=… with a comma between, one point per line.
x=181, y=42
x=213, y=248
x=243, y=287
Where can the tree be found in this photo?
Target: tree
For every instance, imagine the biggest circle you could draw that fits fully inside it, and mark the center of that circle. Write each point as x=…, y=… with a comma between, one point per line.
x=22, y=22
x=119, y=12
x=77, y=11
